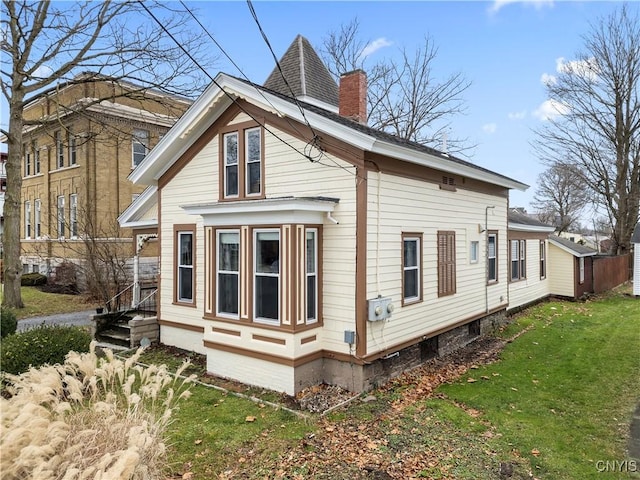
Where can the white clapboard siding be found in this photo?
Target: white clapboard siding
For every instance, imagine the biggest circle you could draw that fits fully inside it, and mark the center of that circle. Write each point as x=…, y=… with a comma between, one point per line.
x=408, y=205
x=533, y=287
x=560, y=270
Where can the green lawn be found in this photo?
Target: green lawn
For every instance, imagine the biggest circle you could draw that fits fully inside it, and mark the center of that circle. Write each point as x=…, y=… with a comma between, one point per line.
x=37, y=303
x=563, y=393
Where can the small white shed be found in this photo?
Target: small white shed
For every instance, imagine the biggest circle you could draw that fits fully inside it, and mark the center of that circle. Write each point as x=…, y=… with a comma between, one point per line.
x=635, y=240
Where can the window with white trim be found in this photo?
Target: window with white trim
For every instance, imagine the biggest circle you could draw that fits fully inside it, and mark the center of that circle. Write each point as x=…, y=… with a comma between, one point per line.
x=581, y=264
x=228, y=273
x=474, y=251
x=60, y=216
x=72, y=149
x=139, y=146
x=27, y=161
x=36, y=159
x=37, y=207
x=411, y=268
x=311, y=271
x=543, y=259
x=59, y=150
x=185, y=267
x=492, y=257
x=518, y=259
x=266, y=289
x=230, y=164
x=27, y=219
x=73, y=215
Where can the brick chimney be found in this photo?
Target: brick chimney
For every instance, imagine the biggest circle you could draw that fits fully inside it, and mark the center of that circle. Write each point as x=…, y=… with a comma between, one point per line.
x=353, y=96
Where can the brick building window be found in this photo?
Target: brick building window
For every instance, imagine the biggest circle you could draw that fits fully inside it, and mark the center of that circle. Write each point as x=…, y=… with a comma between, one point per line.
x=139, y=147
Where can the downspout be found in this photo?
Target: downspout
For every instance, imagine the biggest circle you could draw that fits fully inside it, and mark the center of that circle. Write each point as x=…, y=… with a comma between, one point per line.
x=486, y=258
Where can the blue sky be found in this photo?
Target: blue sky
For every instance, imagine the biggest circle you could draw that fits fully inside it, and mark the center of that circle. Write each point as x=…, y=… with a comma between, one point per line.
x=504, y=47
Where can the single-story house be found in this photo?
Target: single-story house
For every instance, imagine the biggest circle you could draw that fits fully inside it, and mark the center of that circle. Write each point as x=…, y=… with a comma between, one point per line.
x=299, y=246
x=572, y=268
x=529, y=270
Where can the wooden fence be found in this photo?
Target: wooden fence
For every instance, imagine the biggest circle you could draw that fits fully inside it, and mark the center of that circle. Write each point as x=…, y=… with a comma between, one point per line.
x=610, y=271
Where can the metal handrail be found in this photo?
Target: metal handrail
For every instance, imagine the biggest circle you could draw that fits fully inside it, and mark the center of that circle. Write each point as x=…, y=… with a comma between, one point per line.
x=122, y=292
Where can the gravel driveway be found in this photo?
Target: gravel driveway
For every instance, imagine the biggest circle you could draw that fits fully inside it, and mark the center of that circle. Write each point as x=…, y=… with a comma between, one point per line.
x=74, y=318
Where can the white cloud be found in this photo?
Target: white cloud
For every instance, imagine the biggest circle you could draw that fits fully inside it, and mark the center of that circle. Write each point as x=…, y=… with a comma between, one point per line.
x=497, y=5
x=43, y=71
x=548, y=79
x=550, y=110
x=585, y=68
x=517, y=115
x=489, y=128
x=374, y=46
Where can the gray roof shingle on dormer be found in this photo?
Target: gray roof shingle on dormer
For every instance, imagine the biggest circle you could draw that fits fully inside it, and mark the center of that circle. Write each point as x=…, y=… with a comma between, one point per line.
x=305, y=72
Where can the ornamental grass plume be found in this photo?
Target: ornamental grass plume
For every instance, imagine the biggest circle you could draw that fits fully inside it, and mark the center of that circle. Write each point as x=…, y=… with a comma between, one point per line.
x=89, y=418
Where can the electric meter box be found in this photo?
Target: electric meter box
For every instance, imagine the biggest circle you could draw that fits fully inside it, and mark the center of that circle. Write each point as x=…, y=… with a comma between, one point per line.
x=380, y=308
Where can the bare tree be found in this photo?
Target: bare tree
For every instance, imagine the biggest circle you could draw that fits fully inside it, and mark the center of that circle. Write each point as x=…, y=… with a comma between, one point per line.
x=45, y=44
x=405, y=97
x=597, y=130
x=560, y=198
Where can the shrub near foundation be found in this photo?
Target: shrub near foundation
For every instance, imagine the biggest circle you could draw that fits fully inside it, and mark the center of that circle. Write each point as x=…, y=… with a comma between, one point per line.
x=41, y=345
x=88, y=418
x=8, y=322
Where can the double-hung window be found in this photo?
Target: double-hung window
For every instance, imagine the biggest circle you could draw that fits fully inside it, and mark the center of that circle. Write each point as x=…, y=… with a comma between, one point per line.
x=543, y=260
x=518, y=259
x=446, y=263
x=185, y=281
x=311, y=271
x=492, y=257
x=37, y=207
x=27, y=219
x=266, y=276
x=411, y=268
x=139, y=146
x=27, y=161
x=59, y=150
x=72, y=149
x=60, y=216
x=581, y=267
x=231, y=164
x=242, y=165
x=253, y=158
x=228, y=273
x=36, y=159
x=73, y=215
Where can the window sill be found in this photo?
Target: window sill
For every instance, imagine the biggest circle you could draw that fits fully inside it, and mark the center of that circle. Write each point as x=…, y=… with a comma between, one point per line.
x=35, y=175
x=183, y=304
x=410, y=301
x=62, y=169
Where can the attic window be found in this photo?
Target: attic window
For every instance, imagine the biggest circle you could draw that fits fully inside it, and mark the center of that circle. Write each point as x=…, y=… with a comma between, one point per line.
x=448, y=183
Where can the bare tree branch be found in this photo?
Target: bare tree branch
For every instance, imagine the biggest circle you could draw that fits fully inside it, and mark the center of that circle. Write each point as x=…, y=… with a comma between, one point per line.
x=598, y=133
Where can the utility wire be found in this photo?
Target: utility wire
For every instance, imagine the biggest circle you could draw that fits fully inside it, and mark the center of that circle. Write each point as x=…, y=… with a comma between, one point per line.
x=213, y=80
x=266, y=40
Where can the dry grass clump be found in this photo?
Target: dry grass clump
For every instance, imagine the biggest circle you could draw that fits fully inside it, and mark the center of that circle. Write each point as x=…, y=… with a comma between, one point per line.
x=89, y=418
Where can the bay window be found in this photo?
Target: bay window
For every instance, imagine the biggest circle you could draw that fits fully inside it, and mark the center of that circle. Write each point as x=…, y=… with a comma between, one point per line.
x=311, y=270
x=266, y=276
x=228, y=272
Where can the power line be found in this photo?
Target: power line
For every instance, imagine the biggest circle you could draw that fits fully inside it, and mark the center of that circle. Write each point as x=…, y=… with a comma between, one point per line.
x=213, y=80
x=238, y=67
x=266, y=40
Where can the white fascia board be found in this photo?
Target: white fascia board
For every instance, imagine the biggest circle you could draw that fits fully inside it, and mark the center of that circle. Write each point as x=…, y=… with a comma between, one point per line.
x=259, y=212
x=432, y=161
x=141, y=224
x=519, y=227
x=140, y=205
x=572, y=252
x=175, y=142
x=319, y=103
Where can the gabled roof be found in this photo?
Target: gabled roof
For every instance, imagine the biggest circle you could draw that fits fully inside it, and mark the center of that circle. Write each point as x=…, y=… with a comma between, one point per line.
x=573, y=248
x=227, y=89
x=522, y=222
x=306, y=74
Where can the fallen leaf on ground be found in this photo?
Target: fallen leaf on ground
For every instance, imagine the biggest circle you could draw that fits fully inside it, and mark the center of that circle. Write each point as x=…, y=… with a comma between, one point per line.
x=250, y=418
